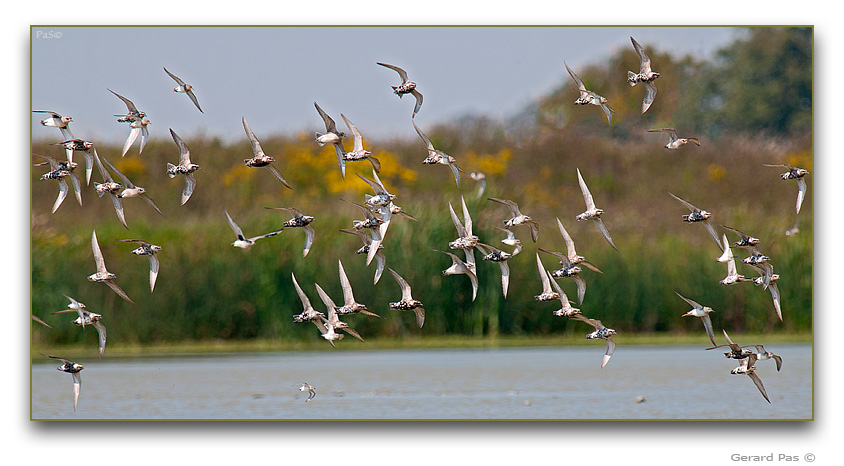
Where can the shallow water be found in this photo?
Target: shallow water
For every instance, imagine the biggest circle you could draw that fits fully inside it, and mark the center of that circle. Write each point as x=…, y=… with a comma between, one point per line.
x=509, y=383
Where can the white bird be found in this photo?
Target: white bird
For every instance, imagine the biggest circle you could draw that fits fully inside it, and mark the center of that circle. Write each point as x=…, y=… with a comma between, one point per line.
x=242, y=241
x=457, y=267
x=130, y=190
x=58, y=172
x=675, y=142
x=73, y=368
x=592, y=213
x=518, y=218
x=185, y=167
x=137, y=127
x=357, y=152
x=57, y=121
x=333, y=322
x=331, y=136
x=149, y=250
x=547, y=293
x=702, y=312
x=311, y=390
x=87, y=318
x=436, y=156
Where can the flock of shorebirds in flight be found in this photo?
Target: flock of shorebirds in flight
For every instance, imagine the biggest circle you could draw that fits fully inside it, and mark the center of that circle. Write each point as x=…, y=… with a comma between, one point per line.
x=378, y=210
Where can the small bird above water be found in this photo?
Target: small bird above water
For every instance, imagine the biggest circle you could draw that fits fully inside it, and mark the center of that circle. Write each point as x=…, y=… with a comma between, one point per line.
x=566, y=310
x=87, y=317
x=762, y=355
x=333, y=322
x=675, y=142
x=350, y=305
x=72, y=368
x=260, y=159
x=496, y=255
x=406, y=87
x=645, y=75
x=702, y=312
x=547, y=293
x=184, y=88
x=602, y=333
x=747, y=366
x=368, y=244
x=310, y=389
x=457, y=267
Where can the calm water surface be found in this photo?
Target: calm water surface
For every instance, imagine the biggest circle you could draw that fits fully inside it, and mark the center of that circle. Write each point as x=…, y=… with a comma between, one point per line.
x=510, y=383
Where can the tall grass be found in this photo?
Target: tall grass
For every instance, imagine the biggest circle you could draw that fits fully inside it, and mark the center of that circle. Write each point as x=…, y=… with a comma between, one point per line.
x=209, y=290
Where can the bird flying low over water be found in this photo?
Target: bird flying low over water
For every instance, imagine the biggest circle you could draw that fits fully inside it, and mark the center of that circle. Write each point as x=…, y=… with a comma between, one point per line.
x=406, y=87
x=242, y=241
x=333, y=322
x=87, y=318
x=260, y=159
x=762, y=355
x=185, y=167
x=566, y=310
x=368, y=243
x=183, y=88
x=588, y=97
x=102, y=275
x=457, y=267
x=592, y=213
x=645, y=75
x=58, y=172
x=675, y=142
x=350, y=306
x=794, y=173
x=309, y=314
x=74, y=369
x=602, y=333
x=747, y=366
x=300, y=221
x=569, y=271
x=496, y=255
x=310, y=389
x=407, y=302
x=149, y=250
x=547, y=293
x=702, y=312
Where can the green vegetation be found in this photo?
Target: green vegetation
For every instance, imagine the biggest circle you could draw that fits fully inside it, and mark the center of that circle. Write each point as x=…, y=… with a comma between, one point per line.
x=209, y=291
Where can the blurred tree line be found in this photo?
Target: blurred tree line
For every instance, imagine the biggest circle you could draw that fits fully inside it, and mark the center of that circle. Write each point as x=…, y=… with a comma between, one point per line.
x=751, y=105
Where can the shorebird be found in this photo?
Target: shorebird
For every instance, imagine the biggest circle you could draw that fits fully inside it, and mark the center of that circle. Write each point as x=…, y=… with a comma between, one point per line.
x=136, y=127
x=571, y=252
x=183, y=88
x=86, y=317
x=736, y=351
x=368, y=240
x=102, y=275
x=645, y=75
x=407, y=302
x=57, y=121
x=299, y=221
x=569, y=271
x=436, y=156
x=794, y=229
x=457, y=267
x=747, y=366
x=81, y=145
x=478, y=176
x=602, y=333
x=130, y=190
x=675, y=142
x=58, y=172
x=133, y=111
x=376, y=226
x=494, y=254
x=358, y=152
x=745, y=241
x=112, y=188
x=260, y=159
x=185, y=168
x=331, y=136
x=309, y=314
x=333, y=322
x=767, y=278
x=566, y=310
x=588, y=97
x=733, y=276
x=406, y=87
x=381, y=202
x=547, y=293
x=242, y=241
x=73, y=368
x=350, y=306
x=702, y=312
x=311, y=390
x=592, y=213
x=794, y=173
x=149, y=250
x=511, y=240
x=762, y=355
x=518, y=218
x=465, y=239
x=701, y=216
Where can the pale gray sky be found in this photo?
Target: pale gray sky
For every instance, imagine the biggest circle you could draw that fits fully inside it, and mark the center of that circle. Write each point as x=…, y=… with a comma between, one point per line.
x=272, y=75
